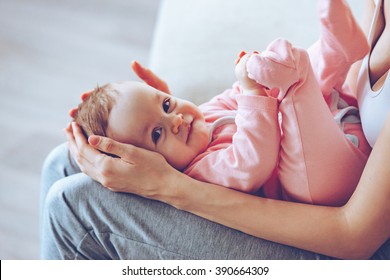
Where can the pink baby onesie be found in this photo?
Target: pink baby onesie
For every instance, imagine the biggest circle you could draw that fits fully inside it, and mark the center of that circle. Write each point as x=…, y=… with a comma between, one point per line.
x=244, y=154
x=307, y=156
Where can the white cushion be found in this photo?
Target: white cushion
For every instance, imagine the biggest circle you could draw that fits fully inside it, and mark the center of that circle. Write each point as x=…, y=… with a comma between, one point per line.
x=197, y=41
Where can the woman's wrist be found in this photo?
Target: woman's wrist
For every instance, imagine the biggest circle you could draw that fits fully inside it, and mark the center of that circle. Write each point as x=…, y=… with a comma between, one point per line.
x=167, y=186
x=180, y=190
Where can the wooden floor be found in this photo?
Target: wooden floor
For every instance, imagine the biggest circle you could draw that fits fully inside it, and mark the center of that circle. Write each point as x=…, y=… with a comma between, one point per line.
x=51, y=51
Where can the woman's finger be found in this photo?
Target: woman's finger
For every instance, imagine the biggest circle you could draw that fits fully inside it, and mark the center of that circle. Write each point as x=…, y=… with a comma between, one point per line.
x=73, y=112
x=149, y=77
x=70, y=137
x=240, y=55
x=91, y=161
x=126, y=152
x=81, y=142
x=72, y=147
x=84, y=153
x=140, y=71
x=84, y=95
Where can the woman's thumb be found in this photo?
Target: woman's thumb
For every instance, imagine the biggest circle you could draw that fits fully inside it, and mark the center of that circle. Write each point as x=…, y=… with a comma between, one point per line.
x=105, y=145
x=94, y=140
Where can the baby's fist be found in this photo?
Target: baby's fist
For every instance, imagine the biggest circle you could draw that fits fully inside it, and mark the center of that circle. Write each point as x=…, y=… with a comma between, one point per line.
x=248, y=85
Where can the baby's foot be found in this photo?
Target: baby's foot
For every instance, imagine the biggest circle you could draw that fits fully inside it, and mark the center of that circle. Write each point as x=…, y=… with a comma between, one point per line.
x=339, y=28
x=280, y=66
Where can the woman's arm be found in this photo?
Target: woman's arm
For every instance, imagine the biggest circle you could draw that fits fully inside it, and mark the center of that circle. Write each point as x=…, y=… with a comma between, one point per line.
x=354, y=231
x=369, y=9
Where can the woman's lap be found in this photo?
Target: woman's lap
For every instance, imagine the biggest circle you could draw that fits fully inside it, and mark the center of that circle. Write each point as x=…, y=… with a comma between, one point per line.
x=81, y=219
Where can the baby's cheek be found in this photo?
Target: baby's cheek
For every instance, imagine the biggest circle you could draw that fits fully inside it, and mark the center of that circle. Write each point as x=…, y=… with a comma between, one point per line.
x=177, y=156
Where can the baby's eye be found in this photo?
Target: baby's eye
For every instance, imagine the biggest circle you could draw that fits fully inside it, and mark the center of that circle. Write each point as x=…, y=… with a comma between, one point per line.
x=156, y=134
x=166, y=105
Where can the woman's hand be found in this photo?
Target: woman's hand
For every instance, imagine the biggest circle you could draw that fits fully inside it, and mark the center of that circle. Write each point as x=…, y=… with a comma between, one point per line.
x=133, y=170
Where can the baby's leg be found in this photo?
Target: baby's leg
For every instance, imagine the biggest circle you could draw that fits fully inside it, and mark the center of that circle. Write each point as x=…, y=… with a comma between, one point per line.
x=318, y=164
x=342, y=42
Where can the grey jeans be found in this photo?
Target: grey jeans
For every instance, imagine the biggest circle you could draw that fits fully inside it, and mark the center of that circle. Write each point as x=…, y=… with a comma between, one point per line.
x=80, y=219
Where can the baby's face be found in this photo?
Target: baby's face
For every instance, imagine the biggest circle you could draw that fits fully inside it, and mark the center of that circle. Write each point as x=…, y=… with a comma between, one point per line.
x=151, y=119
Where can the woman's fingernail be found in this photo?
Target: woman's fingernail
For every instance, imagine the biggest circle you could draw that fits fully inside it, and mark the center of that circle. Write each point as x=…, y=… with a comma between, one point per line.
x=73, y=112
x=84, y=96
x=94, y=140
x=240, y=55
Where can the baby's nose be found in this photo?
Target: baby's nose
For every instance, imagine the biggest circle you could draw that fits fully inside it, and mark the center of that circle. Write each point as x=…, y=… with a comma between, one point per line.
x=177, y=121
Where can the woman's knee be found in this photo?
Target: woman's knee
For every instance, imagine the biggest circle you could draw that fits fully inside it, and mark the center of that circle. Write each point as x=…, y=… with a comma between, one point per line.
x=56, y=166
x=62, y=229
x=59, y=162
x=73, y=197
x=71, y=219
x=59, y=199
x=70, y=192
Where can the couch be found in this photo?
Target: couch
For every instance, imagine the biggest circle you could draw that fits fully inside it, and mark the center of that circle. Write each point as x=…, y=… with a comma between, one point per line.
x=197, y=41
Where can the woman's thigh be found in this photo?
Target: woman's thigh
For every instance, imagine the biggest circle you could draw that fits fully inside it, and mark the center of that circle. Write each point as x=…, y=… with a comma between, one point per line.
x=84, y=220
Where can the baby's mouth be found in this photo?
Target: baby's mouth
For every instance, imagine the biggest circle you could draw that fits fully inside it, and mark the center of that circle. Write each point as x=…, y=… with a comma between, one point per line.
x=188, y=122
x=189, y=129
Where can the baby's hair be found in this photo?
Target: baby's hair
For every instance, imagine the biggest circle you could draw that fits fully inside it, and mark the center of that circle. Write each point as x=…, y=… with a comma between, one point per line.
x=92, y=114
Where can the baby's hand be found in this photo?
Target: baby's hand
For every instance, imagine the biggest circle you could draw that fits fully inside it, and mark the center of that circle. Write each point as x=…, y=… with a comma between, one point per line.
x=248, y=86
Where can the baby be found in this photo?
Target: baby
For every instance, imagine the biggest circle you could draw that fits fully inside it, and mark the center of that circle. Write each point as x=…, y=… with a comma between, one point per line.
x=236, y=139
x=135, y=113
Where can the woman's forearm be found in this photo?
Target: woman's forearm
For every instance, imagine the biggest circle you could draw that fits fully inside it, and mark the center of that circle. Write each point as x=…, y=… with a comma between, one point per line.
x=314, y=228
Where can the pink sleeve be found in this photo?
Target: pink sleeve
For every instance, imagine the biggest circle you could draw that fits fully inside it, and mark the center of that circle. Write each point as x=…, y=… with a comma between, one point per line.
x=249, y=161
x=224, y=101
